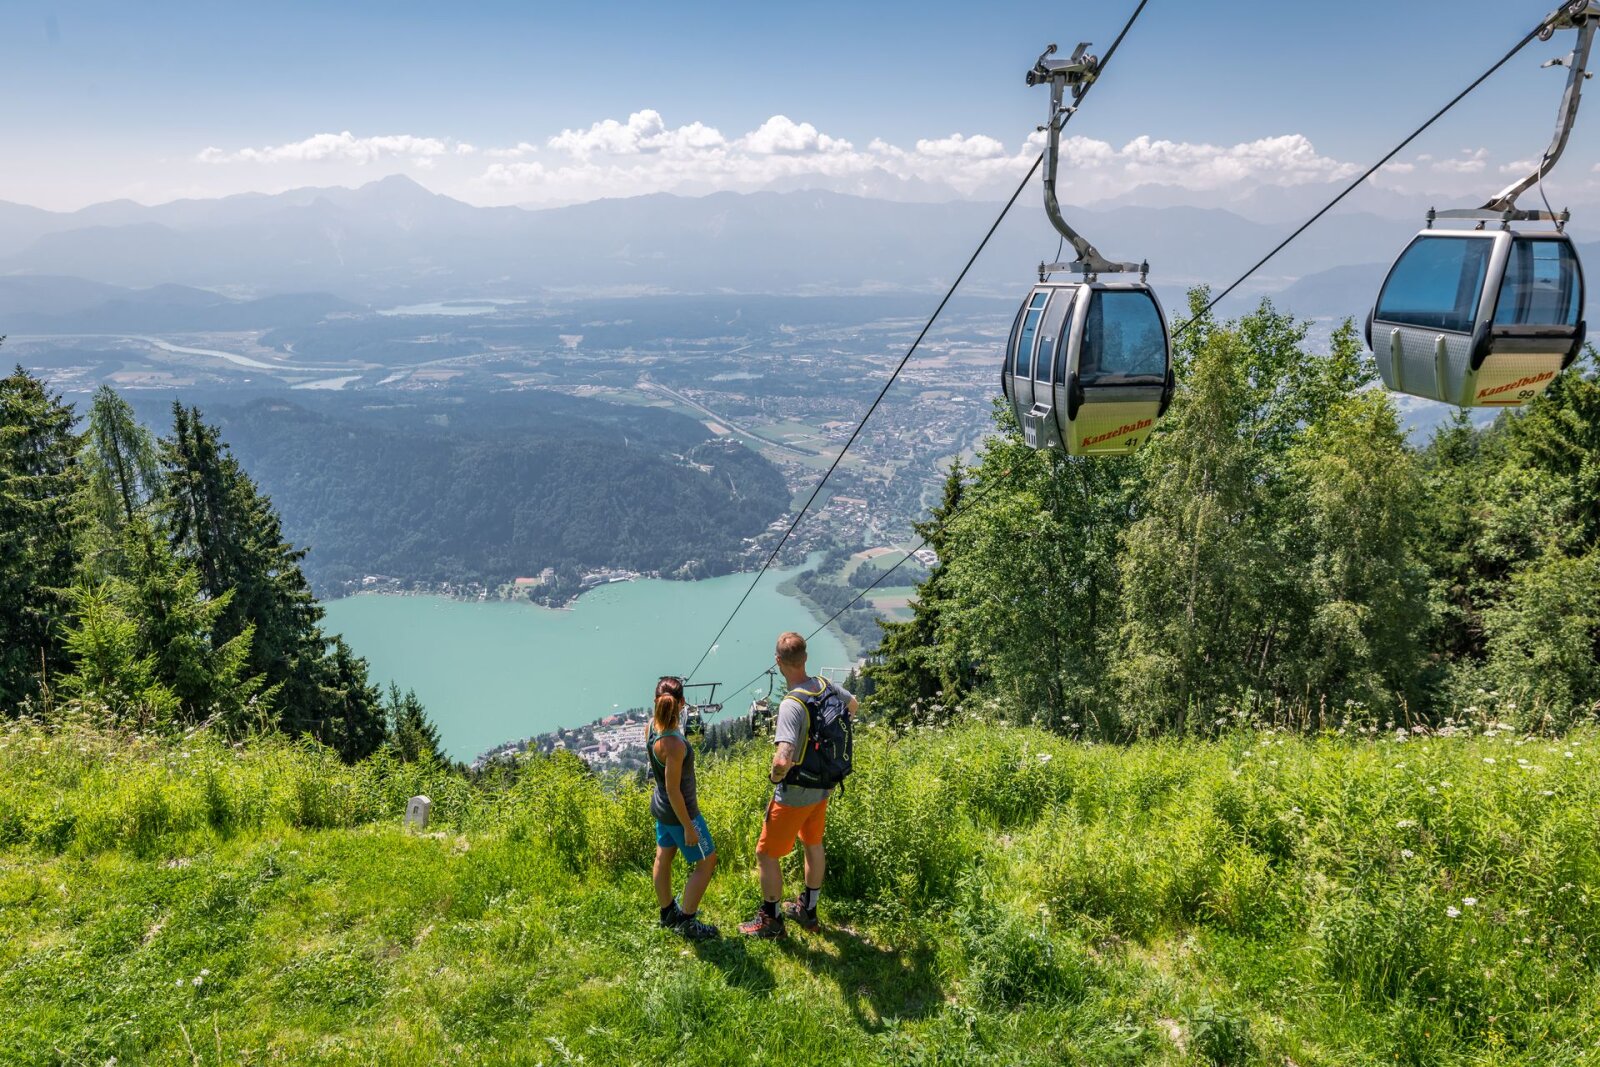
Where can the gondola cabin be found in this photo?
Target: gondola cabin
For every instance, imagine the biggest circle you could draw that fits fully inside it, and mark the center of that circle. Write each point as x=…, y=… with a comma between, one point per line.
x=1088, y=367
x=1479, y=318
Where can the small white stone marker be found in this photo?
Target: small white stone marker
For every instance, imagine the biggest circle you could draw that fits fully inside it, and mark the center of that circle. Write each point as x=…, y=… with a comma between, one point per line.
x=417, y=809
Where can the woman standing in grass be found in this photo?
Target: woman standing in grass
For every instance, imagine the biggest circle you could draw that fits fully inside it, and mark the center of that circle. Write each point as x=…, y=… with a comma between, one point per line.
x=679, y=826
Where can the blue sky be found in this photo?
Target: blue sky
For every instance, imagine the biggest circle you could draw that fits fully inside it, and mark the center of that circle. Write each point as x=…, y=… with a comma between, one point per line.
x=124, y=99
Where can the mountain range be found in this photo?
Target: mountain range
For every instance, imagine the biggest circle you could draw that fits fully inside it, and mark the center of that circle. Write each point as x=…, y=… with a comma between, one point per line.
x=392, y=241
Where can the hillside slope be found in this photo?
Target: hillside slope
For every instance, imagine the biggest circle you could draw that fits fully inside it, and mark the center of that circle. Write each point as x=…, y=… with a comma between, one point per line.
x=994, y=896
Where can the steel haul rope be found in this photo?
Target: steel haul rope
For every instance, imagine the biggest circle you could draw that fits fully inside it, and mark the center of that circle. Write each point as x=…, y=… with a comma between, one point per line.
x=817, y=489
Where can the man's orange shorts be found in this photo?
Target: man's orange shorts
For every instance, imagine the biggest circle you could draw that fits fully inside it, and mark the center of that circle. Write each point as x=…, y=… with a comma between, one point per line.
x=783, y=823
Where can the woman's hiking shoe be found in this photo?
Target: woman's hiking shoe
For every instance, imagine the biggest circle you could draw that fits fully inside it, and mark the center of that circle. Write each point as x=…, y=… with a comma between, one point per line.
x=806, y=917
x=763, y=926
x=692, y=928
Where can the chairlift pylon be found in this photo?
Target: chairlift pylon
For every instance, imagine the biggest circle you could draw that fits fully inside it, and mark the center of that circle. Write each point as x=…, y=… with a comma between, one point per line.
x=1488, y=316
x=1088, y=365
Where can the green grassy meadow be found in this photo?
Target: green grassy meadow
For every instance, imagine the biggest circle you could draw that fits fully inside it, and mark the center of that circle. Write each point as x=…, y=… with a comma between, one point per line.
x=995, y=896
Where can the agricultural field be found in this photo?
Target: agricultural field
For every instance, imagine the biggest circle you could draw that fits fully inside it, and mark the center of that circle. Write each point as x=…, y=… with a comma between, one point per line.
x=995, y=895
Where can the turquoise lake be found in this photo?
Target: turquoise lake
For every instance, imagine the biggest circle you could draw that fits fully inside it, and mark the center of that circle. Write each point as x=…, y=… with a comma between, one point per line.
x=497, y=671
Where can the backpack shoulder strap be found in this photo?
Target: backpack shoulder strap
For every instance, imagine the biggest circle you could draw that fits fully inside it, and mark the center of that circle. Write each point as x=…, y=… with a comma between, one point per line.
x=805, y=696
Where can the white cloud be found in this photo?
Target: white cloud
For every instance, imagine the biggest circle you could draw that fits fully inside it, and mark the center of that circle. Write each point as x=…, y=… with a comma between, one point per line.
x=1468, y=163
x=645, y=131
x=514, y=174
x=1287, y=160
x=958, y=147
x=644, y=154
x=343, y=147
x=781, y=134
x=517, y=151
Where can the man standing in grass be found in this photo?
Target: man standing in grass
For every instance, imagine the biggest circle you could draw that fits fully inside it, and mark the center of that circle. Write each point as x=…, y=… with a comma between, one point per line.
x=811, y=754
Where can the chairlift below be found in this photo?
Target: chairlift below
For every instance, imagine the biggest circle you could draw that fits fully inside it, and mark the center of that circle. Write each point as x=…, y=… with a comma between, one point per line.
x=695, y=712
x=1088, y=367
x=1487, y=317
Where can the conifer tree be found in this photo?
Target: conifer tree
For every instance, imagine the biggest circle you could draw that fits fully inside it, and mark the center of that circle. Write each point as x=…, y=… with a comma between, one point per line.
x=218, y=520
x=40, y=483
x=411, y=736
x=114, y=673
x=915, y=672
x=122, y=475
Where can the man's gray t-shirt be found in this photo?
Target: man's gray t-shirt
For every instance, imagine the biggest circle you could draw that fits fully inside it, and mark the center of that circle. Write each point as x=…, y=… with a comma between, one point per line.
x=794, y=726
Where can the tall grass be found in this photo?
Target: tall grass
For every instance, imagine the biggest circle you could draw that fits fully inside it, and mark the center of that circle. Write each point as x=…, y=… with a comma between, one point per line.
x=1415, y=898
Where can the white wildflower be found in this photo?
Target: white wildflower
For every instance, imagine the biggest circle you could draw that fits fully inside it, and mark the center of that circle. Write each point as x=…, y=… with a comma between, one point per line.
x=1471, y=902
x=1489, y=760
x=1453, y=912
x=1405, y=824
x=1045, y=757
x=1406, y=853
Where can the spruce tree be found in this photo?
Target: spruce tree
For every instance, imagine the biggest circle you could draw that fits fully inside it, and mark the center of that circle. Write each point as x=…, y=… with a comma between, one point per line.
x=910, y=677
x=217, y=519
x=412, y=737
x=40, y=485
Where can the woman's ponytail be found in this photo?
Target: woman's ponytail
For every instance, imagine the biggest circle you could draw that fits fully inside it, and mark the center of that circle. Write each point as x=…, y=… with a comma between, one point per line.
x=669, y=702
x=666, y=713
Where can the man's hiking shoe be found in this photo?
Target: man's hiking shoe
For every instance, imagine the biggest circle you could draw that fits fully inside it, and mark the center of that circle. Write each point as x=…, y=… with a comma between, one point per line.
x=672, y=917
x=764, y=926
x=692, y=928
x=806, y=917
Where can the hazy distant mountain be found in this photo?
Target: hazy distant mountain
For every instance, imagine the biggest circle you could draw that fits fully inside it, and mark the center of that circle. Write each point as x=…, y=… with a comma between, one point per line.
x=49, y=304
x=1338, y=292
x=392, y=240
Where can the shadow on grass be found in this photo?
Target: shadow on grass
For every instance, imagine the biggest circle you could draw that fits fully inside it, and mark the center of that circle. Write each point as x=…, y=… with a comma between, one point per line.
x=731, y=956
x=877, y=982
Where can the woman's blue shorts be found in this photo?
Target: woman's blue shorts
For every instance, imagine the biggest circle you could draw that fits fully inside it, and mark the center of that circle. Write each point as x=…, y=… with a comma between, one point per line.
x=672, y=837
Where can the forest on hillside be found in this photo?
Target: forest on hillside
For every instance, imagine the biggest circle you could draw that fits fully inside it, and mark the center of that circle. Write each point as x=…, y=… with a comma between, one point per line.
x=147, y=586
x=495, y=487
x=1280, y=552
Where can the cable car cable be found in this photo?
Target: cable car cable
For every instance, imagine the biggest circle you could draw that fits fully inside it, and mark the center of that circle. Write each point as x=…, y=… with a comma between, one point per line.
x=773, y=555
x=968, y=501
x=1396, y=150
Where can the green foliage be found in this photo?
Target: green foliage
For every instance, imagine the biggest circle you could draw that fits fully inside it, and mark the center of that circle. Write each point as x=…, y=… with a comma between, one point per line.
x=152, y=587
x=411, y=736
x=427, y=492
x=111, y=667
x=1416, y=898
x=1543, y=639
x=218, y=520
x=40, y=481
x=918, y=675
x=122, y=476
x=1279, y=552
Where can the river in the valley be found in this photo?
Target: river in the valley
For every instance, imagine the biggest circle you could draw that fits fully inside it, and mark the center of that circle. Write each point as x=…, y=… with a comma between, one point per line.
x=497, y=671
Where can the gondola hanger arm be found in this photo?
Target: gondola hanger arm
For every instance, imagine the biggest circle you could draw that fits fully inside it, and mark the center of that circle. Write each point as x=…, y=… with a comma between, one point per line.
x=1583, y=16
x=1075, y=73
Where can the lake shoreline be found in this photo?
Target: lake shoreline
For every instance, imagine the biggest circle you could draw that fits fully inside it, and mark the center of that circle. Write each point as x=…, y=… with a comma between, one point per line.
x=488, y=674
